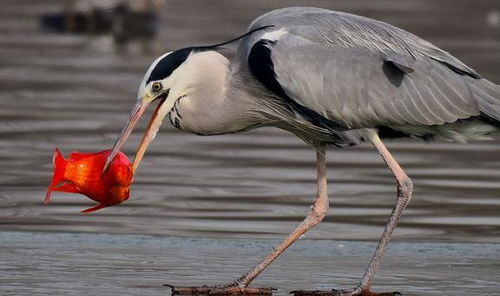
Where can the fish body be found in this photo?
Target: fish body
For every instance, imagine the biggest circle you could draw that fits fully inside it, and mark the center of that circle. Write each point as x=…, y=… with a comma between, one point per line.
x=83, y=173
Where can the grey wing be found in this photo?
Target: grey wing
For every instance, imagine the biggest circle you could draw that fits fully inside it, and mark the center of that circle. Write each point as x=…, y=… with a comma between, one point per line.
x=349, y=30
x=366, y=83
x=359, y=88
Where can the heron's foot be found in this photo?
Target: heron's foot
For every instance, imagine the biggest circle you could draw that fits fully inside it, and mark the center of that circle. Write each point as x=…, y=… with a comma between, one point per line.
x=350, y=292
x=221, y=290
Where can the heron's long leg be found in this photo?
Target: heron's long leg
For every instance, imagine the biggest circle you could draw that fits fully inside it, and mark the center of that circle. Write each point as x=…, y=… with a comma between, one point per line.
x=405, y=187
x=317, y=213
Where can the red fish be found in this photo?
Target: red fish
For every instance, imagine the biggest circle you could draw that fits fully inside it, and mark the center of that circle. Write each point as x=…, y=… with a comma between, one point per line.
x=83, y=173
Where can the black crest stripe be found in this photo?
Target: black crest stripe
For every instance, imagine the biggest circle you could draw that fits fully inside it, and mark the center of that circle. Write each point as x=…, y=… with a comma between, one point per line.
x=461, y=71
x=237, y=38
x=168, y=64
x=262, y=67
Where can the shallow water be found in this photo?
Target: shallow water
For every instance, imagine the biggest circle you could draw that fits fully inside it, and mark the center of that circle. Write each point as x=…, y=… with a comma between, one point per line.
x=75, y=92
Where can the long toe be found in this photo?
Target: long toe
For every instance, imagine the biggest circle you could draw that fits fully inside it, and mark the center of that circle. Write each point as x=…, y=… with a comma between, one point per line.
x=370, y=293
x=220, y=290
x=322, y=293
x=341, y=293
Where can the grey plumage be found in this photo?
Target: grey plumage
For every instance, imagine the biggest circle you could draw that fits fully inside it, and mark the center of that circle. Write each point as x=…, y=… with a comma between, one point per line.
x=330, y=78
x=349, y=69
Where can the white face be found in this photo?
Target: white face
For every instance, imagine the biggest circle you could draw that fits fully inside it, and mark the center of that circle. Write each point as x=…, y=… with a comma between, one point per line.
x=177, y=75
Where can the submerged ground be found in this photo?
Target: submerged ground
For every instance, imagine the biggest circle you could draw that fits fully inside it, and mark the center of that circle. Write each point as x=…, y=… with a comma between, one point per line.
x=101, y=264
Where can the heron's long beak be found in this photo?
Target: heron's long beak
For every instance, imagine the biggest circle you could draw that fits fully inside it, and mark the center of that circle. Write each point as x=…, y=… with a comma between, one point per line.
x=153, y=126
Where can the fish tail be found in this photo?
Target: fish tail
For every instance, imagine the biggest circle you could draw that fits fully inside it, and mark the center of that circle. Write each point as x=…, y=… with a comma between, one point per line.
x=59, y=169
x=93, y=209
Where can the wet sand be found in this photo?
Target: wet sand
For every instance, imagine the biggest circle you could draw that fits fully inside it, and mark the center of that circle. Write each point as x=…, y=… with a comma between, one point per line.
x=106, y=265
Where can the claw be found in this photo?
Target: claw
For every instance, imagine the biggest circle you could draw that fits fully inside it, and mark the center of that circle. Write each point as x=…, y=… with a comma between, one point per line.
x=315, y=293
x=219, y=291
x=341, y=293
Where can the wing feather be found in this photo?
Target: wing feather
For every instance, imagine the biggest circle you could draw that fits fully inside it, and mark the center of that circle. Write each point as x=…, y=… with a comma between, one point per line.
x=453, y=108
x=351, y=86
x=363, y=73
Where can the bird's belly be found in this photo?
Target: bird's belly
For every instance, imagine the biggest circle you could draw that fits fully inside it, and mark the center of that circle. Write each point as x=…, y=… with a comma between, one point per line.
x=460, y=131
x=316, y=135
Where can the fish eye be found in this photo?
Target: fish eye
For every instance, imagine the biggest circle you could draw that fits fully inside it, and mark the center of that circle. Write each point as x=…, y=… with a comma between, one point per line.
x=156, y=86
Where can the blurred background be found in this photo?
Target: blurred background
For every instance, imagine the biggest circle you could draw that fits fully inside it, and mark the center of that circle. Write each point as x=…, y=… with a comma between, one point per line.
x=69, y=73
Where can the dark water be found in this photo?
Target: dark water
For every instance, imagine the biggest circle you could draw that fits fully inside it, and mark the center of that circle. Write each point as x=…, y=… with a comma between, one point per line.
x=75, y=92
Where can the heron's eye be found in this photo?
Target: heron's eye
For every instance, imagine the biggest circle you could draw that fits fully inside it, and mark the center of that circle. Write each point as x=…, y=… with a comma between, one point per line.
x=156, y=86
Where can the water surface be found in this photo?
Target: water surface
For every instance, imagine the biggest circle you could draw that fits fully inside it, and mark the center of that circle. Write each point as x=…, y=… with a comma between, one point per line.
x=117, y=265
x=75, y=92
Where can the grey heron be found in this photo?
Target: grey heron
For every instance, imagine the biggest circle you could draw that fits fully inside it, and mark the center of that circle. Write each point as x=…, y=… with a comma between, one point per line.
x=330, y=78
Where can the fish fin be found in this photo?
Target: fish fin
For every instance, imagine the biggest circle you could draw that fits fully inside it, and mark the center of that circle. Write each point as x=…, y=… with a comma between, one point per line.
x=58, y=177
x=66, y=187
x=92, y=209
x=47, y=195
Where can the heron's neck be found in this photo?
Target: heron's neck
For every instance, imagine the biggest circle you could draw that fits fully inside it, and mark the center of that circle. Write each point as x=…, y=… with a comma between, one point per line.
x=216, y=102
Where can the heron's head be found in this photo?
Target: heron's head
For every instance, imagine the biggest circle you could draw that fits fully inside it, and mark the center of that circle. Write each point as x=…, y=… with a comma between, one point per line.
x=171, y=77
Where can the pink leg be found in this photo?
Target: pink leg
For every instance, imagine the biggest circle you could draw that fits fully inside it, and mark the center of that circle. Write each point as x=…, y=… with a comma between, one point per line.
x=404, y=189
x=317, y=213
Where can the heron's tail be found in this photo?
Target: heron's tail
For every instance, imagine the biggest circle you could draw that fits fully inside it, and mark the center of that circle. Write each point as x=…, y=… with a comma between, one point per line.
x=487, y=94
